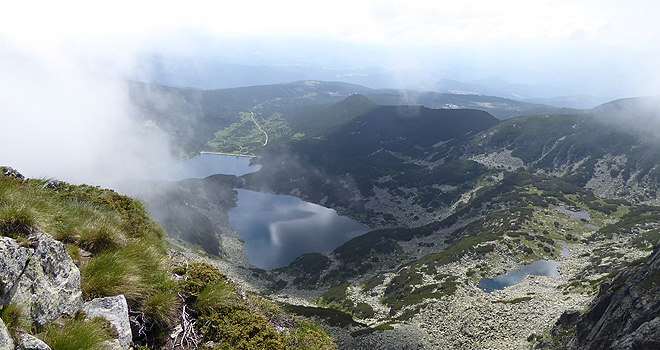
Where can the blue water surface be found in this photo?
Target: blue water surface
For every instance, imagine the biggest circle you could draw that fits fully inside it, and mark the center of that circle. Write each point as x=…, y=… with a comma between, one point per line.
x=537, y=268
x=277, y=228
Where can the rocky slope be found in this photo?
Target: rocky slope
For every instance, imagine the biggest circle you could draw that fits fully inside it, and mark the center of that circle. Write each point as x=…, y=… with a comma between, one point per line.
x=102, y=278
x=612, y=149
x=38, y=275
x=457, y=197
x=624, y=315
x=455, y=202
x=422, y=286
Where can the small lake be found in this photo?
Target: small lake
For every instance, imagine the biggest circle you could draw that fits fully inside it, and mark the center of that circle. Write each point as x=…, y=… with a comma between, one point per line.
x=201, y=166
x=277, y=228
x=537, y=268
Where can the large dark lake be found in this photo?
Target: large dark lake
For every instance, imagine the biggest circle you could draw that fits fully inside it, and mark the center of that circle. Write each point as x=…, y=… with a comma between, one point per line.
x=277, y=229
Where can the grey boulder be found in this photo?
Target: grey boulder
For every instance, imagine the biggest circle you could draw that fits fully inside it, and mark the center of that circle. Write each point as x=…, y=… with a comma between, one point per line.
x=6, y=342
x=43, y=279
x=111, y=345
x=115, y=311
x=29, y=342
x=11, y=172
x=12, y=265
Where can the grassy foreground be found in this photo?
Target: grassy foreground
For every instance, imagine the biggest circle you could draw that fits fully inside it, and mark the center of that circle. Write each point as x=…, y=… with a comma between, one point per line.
x=120, y=250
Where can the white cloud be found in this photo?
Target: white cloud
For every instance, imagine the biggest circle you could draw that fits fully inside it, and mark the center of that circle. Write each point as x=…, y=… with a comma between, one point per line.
x=51, y=103
x=60, y=121
x=425, y=22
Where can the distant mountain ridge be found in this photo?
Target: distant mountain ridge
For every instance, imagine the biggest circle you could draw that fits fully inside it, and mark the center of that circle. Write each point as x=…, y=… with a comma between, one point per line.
x=192, y=117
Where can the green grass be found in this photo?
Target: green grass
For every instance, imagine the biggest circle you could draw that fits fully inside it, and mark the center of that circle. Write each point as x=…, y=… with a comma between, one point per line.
x=16, y=219
x=330, y=316
x=128, y=257
x=75, y=334
x=514, y=301
x=235, y=322
x=381, y=327
x=216, y=296
x=139, y=272
x=373, y=283
x=337, y=298
x=13, y=317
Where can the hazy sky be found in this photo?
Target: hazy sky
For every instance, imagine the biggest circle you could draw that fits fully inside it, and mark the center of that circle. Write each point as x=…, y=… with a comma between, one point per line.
x=412, y=22
x=49, y=99
x=603, y=42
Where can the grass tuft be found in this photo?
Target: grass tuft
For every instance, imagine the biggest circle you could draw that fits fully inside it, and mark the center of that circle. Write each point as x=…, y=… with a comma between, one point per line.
x=162, y=307
x=76, y=334
x=16, y=220
x=139, y=272
x=13, y=317
x=216, y=296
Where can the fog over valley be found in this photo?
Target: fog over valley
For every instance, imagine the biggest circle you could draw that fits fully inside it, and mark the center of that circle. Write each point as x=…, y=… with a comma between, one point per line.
x=330, y=175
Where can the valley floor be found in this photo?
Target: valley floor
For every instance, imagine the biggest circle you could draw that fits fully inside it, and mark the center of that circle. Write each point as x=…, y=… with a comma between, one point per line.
x=502, y=319
x=470, y=318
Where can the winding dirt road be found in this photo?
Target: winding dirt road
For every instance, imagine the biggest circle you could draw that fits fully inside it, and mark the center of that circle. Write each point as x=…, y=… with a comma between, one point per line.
x=262, y=130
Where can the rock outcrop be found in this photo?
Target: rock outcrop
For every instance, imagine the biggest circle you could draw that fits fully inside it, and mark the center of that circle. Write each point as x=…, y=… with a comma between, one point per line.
x=6, y=342
x=12, y=265
x=625, y=315
x=40, y=276
x=52, y=185
x=115, y=311
x=29, y=342
x=11, y=172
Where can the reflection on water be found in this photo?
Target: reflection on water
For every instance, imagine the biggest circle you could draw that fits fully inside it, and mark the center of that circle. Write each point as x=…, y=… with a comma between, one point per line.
x=202, y=166
x=277, y=229
x=537, y=268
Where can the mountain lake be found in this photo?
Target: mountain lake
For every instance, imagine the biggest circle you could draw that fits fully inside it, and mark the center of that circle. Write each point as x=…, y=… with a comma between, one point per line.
x=537, y=268
x=276, y=229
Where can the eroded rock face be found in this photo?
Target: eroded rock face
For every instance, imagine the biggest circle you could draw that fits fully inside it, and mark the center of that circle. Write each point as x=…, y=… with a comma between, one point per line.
x=625, y=315
x=115, y=311
x=6, y=342
x=41, y=277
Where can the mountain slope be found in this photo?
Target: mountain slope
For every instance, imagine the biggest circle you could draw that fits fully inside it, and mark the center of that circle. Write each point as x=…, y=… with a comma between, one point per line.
x=617, y=158
x=381, y=154
x=203, y=119
x=624, y=315
x=120, y=252
x=456, y=197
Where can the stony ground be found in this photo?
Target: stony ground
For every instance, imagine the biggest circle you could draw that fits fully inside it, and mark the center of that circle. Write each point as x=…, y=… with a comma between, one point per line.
x=470, y=318
x=503, y=319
